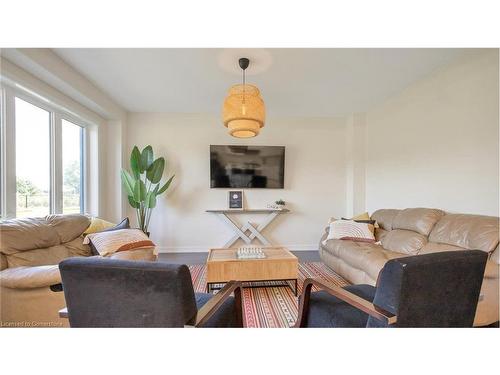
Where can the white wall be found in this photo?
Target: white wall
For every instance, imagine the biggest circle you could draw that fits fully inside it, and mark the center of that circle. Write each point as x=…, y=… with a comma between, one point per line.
x=315, y=178
x=355, y=164
x=436, y=143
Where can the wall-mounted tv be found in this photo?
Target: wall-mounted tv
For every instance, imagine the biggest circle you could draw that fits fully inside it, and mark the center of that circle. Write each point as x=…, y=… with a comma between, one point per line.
x=247, y=167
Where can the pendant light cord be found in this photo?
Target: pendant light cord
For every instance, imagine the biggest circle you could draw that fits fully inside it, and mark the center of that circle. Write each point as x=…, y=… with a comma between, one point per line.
x=244, y=81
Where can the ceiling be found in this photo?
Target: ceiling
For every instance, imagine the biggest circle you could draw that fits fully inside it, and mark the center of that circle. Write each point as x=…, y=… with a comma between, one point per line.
x=293, y=82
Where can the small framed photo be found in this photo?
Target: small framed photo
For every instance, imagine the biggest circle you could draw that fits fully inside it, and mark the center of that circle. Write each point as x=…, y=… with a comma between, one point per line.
x=236, y=200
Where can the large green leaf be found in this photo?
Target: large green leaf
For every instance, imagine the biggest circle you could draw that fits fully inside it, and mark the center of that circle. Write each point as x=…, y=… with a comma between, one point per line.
x=146, y=158
x=139, y=191
x=155, y=172
x=165, y=187
x=128, y=181
x=133, y=203
x=151, y=200
x=135, y=162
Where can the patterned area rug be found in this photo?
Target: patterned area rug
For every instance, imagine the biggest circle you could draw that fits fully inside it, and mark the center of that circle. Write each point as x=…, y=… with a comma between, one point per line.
x=272, y=307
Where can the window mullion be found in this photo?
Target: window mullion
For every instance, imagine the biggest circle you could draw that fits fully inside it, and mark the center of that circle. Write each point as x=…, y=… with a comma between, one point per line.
x=56, y=188
x=9, y=198
x=83, y=171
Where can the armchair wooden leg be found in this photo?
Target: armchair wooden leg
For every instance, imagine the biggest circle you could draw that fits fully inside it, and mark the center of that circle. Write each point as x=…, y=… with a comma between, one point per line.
x=239, y=309
x=303, y=306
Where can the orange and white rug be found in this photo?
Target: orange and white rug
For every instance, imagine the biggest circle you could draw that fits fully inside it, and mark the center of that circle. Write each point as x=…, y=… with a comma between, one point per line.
x=272, y=307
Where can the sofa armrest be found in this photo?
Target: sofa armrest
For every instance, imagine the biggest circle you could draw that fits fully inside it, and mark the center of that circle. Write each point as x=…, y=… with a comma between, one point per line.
x=324, y=236
x=30, y=277
x=492, y=270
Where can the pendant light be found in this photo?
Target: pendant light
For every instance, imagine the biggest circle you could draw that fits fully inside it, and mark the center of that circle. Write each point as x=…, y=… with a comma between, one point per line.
x=243, y=112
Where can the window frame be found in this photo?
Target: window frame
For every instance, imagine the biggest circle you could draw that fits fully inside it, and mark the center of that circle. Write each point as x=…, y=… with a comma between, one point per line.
x=8, y=95
x=83, y=159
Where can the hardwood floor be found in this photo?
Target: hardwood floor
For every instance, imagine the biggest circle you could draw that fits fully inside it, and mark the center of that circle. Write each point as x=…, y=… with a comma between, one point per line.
x=200, y=258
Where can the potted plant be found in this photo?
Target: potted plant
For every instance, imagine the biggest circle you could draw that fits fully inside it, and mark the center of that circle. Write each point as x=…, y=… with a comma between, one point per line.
x=142, y=184
x=280, y=203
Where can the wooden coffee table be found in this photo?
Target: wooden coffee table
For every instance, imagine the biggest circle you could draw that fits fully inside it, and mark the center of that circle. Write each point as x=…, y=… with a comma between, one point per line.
x=280, y=264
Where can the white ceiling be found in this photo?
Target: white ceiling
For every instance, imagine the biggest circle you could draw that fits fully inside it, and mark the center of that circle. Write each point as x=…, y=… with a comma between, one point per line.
x=293, y=82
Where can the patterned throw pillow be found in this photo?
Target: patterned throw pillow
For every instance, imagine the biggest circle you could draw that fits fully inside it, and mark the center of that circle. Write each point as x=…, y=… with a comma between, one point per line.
x=350, y=230
x=371, y=223
x=107, y=243
x=124, y=224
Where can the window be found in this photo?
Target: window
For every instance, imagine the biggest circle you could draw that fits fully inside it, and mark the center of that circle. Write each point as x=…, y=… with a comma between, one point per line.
x=32, y=160
x=72, y=139
x=42, y=157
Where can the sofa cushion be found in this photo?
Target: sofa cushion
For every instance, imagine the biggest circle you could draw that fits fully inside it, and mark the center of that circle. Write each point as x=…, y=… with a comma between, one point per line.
x=495, y=256
x=361, y=255
x=26, y=234
x=136, y=254
x=472, y=232
x=30, y=277
x=49, y=255
x=380, y=234
x=69, y=226
x=404, y=241
x=385, y=217
x=433, y=247
x=3, y=262
x=492, y=270
x=38, y=233
x=38, y=257
x=420, y=220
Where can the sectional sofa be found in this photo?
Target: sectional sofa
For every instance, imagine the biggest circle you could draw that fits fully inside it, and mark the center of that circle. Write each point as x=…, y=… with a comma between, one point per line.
x=30, y=251
x=415, y=231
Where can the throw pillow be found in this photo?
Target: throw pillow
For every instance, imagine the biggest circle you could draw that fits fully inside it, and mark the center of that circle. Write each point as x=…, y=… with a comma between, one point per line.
x=362, y=217
x=110, y=242
x=350, y=230
x=98, y=225
x=124, y=224
x=371, y=223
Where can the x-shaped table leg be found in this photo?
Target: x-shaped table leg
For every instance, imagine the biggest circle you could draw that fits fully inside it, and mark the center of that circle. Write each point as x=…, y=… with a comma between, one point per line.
x=254, y=232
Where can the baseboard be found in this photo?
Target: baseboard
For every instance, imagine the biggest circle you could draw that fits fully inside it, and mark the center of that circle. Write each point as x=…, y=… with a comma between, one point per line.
x=199, y=249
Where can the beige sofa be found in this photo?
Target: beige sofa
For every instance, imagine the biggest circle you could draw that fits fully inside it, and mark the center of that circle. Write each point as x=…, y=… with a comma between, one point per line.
x=30, y=251
x=414, y=231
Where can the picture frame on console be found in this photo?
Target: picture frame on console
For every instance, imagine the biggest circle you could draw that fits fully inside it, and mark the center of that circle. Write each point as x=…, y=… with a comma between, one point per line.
x=235, y=200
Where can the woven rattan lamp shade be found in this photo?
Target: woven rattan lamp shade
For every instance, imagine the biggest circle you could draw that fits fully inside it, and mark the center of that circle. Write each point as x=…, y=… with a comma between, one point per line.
x=243, y=112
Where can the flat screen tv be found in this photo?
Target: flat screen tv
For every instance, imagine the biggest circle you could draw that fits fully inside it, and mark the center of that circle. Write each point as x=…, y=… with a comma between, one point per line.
x=247, y=167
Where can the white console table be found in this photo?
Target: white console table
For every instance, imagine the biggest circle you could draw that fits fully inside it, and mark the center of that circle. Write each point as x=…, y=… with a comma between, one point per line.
x=255, y=232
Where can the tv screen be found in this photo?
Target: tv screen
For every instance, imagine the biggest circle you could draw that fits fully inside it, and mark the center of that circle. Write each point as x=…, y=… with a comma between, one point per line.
x=247, y=167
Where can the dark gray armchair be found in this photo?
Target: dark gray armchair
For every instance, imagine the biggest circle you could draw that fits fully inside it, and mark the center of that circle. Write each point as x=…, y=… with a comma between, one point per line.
x=120, y=293
x=432, y=290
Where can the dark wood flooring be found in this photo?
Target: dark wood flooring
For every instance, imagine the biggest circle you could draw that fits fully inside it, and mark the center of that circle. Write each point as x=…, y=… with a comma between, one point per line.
x=201, y=258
